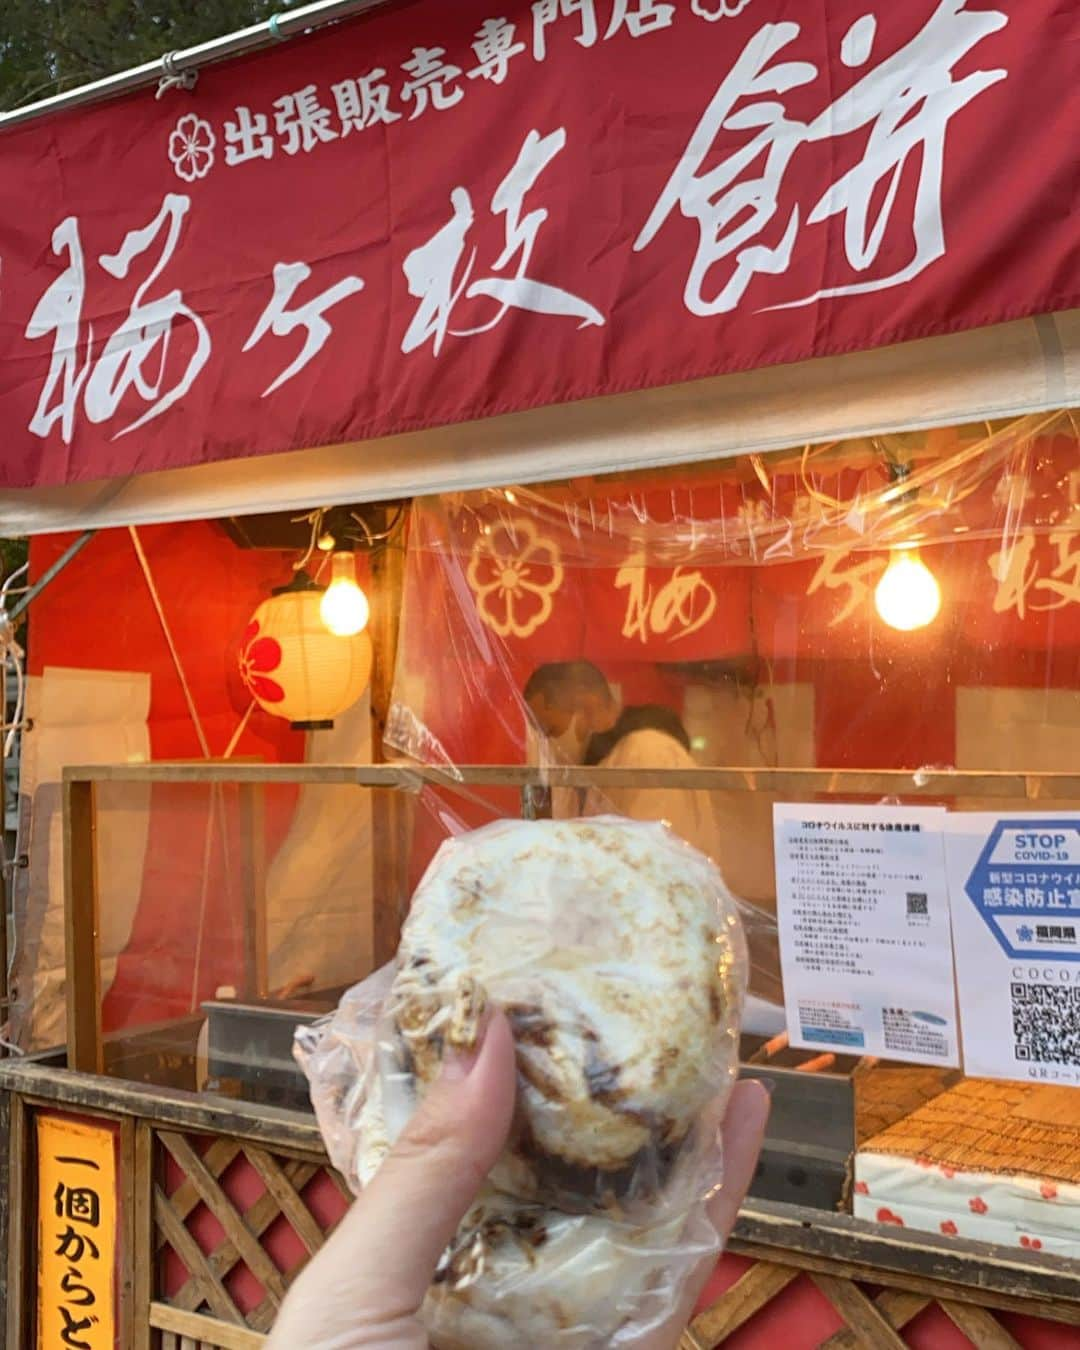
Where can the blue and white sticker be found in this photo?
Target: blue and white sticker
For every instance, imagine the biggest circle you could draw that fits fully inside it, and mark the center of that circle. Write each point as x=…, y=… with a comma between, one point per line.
x=1026, y=887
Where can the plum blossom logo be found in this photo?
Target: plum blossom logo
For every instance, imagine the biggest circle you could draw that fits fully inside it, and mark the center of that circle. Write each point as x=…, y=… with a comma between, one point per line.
x=712, y=10
x=191, y=148
x=515, y=573
x=259, y=658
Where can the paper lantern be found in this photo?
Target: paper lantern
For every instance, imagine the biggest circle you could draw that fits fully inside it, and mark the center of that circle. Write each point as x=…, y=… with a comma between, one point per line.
x=294, y=667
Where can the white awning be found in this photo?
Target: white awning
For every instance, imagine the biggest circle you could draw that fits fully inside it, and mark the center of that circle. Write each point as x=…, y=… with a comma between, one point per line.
x=1030, y=365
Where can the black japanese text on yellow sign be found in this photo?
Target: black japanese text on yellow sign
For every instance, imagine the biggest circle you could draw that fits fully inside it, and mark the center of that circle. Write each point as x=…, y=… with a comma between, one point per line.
x=76, y=1235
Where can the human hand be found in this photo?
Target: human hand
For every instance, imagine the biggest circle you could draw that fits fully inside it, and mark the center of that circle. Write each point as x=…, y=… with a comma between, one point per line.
x=365, y=1287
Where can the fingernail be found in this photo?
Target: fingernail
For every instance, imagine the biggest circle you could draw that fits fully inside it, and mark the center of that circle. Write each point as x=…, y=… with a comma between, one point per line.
x=769, y=1084
x=459, y=1061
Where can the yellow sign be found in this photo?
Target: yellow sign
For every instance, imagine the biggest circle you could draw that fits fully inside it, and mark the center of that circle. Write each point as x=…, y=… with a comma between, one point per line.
x=76, y=1235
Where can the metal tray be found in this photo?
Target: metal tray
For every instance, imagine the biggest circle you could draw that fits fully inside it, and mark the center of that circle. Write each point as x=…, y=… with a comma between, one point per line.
x=810, y=1139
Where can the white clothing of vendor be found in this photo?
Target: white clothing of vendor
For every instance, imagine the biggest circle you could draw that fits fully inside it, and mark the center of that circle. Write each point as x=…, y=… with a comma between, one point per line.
x=653, y=737
x=576, y=712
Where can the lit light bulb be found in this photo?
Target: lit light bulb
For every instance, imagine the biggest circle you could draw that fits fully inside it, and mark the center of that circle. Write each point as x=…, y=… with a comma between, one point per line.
x=344, y=607
x=908, y=595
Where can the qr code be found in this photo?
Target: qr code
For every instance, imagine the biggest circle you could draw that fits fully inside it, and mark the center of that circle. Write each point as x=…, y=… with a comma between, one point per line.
x=1046, y=1023
x=917, y=903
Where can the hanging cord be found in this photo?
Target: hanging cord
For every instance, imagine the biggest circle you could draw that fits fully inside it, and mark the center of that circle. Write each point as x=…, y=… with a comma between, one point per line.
x=315, y=520
x=230, y=749
x=177, y=664
x=174, y=78
x=5, y=590
x=384, y=536
x=329, y=533
x=922, y=480
x=217, y=798
x=324, y=534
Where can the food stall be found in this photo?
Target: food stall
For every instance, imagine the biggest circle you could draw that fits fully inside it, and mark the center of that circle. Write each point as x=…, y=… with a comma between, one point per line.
x=730, y=354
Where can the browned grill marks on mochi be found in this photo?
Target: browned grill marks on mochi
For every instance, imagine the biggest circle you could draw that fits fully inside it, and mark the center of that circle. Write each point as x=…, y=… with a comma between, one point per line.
x=605, y=947
x=530, y=1025
x=481, y=1233
x=642, y=1176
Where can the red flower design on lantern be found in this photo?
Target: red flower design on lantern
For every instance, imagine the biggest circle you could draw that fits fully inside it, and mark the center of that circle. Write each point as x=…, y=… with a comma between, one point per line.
x=259, y=657
x=861, y=1188
x=1048, y=1191
x=978, y=1205
x=949, y=1228
x=887, y=1216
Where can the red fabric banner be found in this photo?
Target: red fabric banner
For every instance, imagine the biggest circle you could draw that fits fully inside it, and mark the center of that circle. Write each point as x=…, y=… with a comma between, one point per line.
x=432, y=214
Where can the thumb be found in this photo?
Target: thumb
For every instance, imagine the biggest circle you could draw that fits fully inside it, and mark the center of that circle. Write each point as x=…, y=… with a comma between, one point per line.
x=412, y=1207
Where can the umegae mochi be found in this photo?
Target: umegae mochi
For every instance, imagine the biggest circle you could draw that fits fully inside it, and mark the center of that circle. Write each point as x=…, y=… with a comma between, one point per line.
x=615, y=952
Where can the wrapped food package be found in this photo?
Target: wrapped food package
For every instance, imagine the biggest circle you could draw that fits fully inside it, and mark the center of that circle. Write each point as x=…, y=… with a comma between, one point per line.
x=617, y=956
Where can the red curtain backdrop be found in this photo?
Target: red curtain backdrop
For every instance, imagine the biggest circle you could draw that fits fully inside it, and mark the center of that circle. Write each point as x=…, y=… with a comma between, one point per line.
x=98, y=615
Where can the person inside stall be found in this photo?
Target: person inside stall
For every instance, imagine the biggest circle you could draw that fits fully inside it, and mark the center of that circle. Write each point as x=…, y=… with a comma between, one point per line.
x=578, y=716
x=569, y=702
x=651, y=736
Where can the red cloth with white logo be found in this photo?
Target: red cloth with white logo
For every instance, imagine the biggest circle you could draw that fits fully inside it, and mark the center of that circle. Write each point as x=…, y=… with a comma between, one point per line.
x=426, y=215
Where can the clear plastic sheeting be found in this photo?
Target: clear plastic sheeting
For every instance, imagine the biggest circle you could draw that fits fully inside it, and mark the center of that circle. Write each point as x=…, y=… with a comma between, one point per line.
x=615, y=952
x=866, y=494
x=248, y=907
x=845, y=605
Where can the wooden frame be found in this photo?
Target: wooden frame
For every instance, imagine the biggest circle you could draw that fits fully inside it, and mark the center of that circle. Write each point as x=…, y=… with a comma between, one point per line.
x=81, y=904
x=81, y=927
x=16, y=1172
x=151, y=1123
x=901, y=1273
x=799, y=784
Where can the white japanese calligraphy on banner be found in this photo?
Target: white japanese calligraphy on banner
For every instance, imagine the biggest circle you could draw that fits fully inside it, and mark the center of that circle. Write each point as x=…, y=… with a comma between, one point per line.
x=434, y=271
x=138, y=355
x=433, y=209
x=906, y=100
x=135, y=357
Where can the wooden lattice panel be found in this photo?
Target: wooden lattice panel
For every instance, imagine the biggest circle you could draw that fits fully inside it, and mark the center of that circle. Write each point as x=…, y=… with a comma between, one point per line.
x=219, y=1235
x=868, y=1315
x=215, y=1206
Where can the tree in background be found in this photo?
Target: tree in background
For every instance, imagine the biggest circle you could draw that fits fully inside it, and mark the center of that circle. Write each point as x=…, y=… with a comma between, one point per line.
x=49, y=46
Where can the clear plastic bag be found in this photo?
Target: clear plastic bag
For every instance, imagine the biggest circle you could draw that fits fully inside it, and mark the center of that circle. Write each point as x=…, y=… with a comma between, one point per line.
x=618, y=957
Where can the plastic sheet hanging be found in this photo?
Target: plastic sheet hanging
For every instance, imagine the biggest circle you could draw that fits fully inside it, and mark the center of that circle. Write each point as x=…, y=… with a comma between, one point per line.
x=730, y=615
